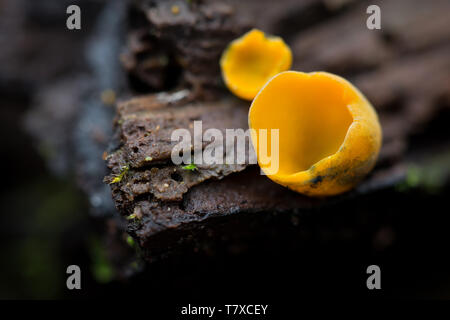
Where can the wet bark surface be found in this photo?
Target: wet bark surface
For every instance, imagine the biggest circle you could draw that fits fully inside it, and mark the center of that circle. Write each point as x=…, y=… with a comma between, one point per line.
x=388, y=65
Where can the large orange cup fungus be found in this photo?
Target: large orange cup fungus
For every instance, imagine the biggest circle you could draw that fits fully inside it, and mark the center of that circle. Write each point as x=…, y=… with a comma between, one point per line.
x=251, y=60
x=329, y=134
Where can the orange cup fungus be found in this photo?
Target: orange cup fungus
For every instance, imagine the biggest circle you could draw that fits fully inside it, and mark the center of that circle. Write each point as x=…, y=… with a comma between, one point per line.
x=329, y=134
x=251, y=60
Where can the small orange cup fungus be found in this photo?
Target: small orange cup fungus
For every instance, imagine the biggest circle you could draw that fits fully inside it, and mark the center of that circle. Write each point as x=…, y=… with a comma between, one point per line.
x=251, y=60
x=329, y=134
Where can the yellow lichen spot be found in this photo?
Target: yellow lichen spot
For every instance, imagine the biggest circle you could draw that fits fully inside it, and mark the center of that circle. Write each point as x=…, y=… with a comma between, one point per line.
x=175, y=9
x=108, y=97
x=329, y=134
x=116, y=179
x=119, y=177
x=251, y=60
x=131, y=216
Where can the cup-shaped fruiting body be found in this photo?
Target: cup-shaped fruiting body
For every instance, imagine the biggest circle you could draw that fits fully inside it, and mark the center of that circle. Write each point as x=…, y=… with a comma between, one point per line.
x=329, y=133
x=251, y=60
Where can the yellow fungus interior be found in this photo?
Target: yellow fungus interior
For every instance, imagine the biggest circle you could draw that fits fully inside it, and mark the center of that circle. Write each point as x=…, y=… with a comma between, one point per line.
x=311, y=113
x=253, y=60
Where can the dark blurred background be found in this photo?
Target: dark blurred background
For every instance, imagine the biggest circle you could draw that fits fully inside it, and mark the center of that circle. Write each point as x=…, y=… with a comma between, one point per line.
x=57, y=94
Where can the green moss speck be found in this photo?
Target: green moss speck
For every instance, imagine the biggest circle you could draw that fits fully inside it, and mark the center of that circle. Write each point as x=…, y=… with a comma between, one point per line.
x=123, y=172
x=130, y=241
x=430, y=175
x=191, y=167
x=101, y=268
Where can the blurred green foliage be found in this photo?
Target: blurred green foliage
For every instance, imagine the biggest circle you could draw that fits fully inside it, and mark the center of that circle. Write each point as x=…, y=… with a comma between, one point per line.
x=430, y=175
x=35, y=217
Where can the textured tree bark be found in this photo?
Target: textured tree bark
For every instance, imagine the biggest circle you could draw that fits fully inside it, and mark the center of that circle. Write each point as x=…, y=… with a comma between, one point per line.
x=171, y=55
x=404, y=71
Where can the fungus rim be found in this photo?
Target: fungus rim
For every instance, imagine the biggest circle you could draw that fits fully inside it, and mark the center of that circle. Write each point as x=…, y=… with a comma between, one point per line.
x=308, y=173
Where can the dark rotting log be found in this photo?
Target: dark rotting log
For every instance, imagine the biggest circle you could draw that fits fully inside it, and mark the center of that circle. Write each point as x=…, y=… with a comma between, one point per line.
x=164, y=208
x=173, y=49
